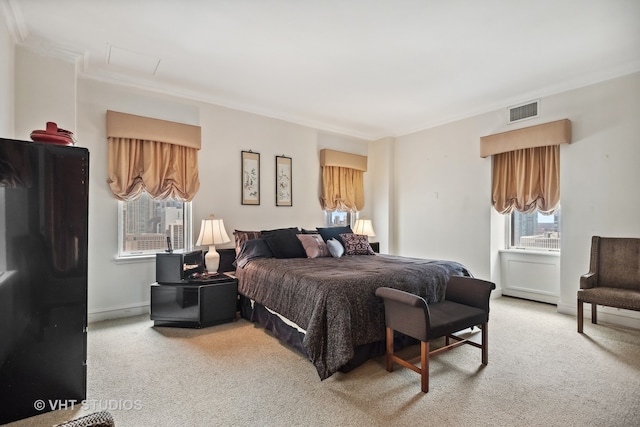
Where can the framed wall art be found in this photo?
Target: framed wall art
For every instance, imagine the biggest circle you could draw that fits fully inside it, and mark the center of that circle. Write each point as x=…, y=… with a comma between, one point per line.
x=284, y=196
x=250, y=178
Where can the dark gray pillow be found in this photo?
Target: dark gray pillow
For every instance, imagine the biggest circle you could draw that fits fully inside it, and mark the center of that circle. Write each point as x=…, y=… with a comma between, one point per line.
x=284, y=243
x=253, y=249
x=333, y=232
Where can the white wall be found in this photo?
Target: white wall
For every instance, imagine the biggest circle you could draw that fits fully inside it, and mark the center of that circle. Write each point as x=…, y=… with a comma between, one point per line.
x=599, y=177
x=381, y=193
x=45, y=91
x=6, y=115
x=7, y=63
x=443, y=186
x=117, y=287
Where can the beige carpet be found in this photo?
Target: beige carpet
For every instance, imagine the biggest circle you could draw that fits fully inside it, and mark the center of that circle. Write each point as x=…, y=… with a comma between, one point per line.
x=541, y=372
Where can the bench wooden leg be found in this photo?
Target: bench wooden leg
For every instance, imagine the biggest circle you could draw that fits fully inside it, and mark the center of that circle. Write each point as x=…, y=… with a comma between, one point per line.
x=594, y=313
x=424, y=366
x=580, y=315
x=389, y=355
x=485, y=343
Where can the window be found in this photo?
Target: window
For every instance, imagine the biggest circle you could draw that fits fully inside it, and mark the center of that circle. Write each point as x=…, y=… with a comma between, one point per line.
x=534, y=231
x=340, y=218
x=144, y=225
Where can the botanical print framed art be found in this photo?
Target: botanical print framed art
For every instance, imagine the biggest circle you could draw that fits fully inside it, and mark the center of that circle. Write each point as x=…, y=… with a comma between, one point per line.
x=284, y=196
x=250, y=178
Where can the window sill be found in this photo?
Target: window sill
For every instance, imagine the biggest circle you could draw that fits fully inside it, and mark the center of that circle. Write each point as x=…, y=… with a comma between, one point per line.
x=130, y=259
x=537, y=252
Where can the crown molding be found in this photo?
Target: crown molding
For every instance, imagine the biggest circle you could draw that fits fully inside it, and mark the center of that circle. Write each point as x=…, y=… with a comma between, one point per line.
x=144, y=84
x=15, y=22
x=21, y=37
x=55, y=50
x=587, y=79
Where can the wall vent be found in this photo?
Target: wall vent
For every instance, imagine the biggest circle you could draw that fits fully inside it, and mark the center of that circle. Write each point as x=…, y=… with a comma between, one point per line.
x=525, y=111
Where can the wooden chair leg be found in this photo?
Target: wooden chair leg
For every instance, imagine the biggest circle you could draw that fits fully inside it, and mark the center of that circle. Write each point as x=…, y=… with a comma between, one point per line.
x=424, y=366
x=389, y=355
x=594, y=313
x=485, y=343
x=580, y=315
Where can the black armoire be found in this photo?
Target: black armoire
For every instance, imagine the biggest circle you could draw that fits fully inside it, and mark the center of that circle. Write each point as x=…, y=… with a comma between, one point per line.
x=43, y=277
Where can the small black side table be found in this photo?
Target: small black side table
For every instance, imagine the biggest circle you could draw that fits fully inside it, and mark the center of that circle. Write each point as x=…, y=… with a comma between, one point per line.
x=194, y=306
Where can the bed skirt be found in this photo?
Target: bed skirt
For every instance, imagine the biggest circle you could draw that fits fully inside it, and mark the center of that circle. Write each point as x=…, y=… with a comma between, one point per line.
x=257, y=313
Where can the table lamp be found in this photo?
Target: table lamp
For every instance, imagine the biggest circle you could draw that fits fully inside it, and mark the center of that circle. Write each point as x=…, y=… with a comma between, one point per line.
x=212, y=232
x=364, y=227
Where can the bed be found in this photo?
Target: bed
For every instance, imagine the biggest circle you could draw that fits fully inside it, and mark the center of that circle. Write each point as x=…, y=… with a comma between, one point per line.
x=325, y=306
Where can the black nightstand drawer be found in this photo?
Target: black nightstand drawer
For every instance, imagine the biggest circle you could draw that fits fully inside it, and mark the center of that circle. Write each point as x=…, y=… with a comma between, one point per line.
x=194, y=306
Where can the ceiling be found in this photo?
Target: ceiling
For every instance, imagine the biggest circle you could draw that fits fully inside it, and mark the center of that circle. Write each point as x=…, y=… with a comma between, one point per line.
x=365, y=68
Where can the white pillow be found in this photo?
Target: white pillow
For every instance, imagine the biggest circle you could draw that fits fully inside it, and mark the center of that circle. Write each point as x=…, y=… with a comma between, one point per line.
x=335, y=248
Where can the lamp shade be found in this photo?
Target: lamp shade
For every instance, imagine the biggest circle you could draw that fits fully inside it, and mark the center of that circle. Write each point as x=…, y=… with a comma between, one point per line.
x=364, y=227
x=212, y=232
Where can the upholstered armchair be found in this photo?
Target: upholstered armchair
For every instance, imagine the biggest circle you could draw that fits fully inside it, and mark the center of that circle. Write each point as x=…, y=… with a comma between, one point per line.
x=614, y=276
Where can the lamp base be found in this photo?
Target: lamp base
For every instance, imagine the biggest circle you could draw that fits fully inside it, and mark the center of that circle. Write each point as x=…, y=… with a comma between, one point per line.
x=212, y=260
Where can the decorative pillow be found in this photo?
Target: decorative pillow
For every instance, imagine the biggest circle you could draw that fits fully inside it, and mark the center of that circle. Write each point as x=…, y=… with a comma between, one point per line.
x=356, y=244
x=333, y=232
x=335, y=248
x=243, y=236
x=284, y=243
x=253, y=249
x=314, y=246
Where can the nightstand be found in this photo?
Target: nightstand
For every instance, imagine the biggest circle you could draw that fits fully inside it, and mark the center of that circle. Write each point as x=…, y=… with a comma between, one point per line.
x=375, y=246
x=194, y=306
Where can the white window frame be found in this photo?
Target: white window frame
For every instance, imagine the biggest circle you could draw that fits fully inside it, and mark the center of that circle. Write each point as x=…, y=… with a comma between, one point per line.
x=187, y=238
x=350, y=220
x=549, y=241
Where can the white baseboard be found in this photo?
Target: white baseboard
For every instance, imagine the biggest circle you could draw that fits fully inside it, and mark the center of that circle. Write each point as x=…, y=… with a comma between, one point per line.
x=612, y=315
x=117, y=312
x=531, y=295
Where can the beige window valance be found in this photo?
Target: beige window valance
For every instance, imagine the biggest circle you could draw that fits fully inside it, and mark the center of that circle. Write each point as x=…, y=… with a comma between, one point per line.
x=526, y=180
x=552, y=133
x=342, y=180
x=526, y=167
x=153, y=156
x=122, y=125
x=343, y=160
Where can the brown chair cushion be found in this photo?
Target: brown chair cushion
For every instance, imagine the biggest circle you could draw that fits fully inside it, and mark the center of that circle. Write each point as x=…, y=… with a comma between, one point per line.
x=448, y=317
x=613, y=297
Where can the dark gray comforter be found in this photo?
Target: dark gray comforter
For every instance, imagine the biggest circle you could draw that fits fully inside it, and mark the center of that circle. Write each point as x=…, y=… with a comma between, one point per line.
x=334, y=300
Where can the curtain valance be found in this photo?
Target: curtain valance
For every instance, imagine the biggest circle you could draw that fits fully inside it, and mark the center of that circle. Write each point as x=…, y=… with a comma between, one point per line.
x=165, y=171
x=342, y=159
x=156, y=156
x=527, y=180
x=552, y=133
x=342, y=189
x=342, y=180
x=122, y=125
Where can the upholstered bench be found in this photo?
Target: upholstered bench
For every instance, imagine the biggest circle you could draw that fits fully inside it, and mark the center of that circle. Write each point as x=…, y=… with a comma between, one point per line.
x=614, y=276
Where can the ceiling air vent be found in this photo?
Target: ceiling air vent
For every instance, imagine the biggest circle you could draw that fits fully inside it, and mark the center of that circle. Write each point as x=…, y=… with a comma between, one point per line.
x=524, y=111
